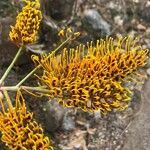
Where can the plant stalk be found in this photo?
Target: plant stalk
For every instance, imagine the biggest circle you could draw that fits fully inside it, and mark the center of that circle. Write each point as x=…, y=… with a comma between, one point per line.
x=30, y=73
x=10, y=66
x=15, y=88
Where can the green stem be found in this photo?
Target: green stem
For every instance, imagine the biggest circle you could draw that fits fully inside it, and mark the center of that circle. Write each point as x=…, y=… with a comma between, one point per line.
x=30, y=73
x=37, y=89
x=10, y=66
x=15, y=88
x=8, y=88
x=8, y=99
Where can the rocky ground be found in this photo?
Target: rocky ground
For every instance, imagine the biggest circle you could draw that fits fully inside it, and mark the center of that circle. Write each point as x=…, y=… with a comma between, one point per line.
x=71, y=129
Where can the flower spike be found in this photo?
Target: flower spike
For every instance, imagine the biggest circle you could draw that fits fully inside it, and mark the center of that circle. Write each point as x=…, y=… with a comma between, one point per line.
x=93, y=77
x=19, y=129
x=27, y=24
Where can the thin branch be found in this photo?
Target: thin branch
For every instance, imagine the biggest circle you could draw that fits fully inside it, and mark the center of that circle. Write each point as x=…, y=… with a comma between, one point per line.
x=11, y=65
x=15, y=88
x=30, y=73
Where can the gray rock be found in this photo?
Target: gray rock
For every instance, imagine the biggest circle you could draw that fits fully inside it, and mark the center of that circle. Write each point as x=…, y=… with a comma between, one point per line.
x=94, y=23
x=54, y=114
x=7, y=49
x=57, y=9
x=144, y=11
x=148, y=71
x=147, y=66
x=139, y=129
x=68, y=123
x=97, y=116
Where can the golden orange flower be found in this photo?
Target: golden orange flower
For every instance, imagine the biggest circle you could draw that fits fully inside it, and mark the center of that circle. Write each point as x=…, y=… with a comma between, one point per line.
x=92, y=77
x=27, y=24
x=18, y=128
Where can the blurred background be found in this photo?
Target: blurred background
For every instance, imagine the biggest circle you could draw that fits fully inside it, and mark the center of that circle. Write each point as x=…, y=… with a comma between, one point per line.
x=75, y=130
x=93, y=18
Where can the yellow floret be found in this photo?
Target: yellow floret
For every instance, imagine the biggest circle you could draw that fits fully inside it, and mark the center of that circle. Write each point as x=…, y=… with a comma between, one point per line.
x=92, y=77
x=27, y=24
x=18, y=128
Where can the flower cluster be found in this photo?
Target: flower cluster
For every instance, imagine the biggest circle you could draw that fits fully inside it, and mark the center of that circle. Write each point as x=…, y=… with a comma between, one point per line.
x=19, y=130
x=27, y=23
x=68, y=32
x=92, y=77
